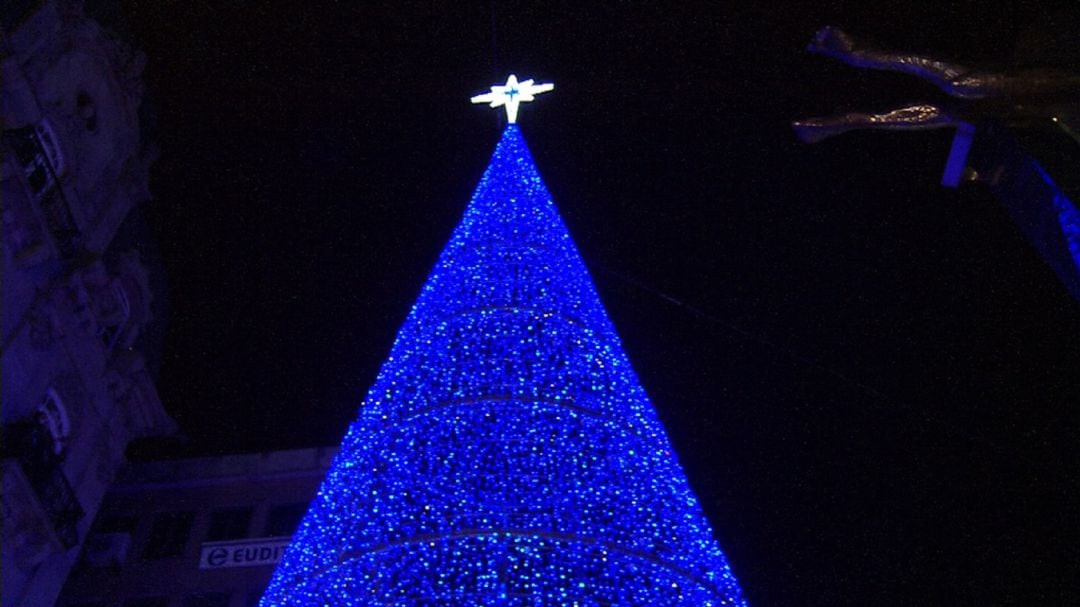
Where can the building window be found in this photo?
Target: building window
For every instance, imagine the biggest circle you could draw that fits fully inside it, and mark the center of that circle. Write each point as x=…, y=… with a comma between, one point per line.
x=149, y=601
x=84, y=103
x=109, y=541
x=207, y=599
x=52, y=414
x=106, y=549
x=116, y=523
x=38, y=154
x=47, y=138
x=168, y=535
x=32, y=444
x=114, y=310
x=21, y=231
x=283, y=519
x=39, y=172
x=230, y=524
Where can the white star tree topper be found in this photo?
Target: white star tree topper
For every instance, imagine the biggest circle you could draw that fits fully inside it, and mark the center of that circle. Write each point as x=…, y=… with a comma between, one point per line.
x=512, y=94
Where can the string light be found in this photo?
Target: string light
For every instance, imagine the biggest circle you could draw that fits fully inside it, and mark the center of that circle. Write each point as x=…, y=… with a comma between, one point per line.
x=506, y=453
x=1069, y=219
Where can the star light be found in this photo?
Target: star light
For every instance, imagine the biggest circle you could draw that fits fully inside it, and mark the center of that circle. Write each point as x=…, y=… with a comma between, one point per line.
x=512, y=94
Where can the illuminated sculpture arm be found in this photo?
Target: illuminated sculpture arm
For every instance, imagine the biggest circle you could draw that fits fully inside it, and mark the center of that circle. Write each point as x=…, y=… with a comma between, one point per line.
x=1013, y=97
x=955, y=80
x=919, y=117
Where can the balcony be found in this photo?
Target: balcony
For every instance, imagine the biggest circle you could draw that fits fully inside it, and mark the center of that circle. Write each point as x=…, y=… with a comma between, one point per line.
x=38, y=161
x=31, y=445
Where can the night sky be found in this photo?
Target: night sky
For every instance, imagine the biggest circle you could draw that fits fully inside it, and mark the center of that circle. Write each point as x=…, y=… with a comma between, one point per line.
x=871, y=381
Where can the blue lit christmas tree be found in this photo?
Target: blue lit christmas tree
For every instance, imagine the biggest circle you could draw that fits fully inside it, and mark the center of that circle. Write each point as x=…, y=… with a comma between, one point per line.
x=506, y=454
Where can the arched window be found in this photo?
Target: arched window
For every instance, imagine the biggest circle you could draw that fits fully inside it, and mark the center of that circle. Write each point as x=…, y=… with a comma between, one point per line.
x=49, y=144
x=115, y=315
x=52, y=414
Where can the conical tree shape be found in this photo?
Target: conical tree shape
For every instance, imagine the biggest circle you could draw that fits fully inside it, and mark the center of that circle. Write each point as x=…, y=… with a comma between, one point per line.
x=507, y=454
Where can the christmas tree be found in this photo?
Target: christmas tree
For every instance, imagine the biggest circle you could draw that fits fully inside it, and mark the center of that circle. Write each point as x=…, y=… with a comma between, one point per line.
x=506, y=453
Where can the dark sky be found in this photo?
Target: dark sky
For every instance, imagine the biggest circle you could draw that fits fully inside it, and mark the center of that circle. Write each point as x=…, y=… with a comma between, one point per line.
x=871, y=381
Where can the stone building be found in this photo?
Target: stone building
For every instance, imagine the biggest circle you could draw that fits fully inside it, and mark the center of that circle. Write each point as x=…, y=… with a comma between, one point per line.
x=78, y=294
x=202, y=532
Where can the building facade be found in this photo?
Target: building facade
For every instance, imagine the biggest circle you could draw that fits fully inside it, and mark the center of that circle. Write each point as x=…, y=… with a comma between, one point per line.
x=202, y=532
x=78, y=299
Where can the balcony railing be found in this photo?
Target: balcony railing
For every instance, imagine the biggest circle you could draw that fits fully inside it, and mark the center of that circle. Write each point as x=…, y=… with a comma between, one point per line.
x=31, y=445
x=44, y=185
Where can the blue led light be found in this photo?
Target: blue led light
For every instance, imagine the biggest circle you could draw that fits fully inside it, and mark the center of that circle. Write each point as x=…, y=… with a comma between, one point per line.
x=506, y=454
x=1069, y=219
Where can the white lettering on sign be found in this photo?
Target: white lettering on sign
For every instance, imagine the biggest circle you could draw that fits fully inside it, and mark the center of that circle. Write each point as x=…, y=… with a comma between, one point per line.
x=243, y=553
